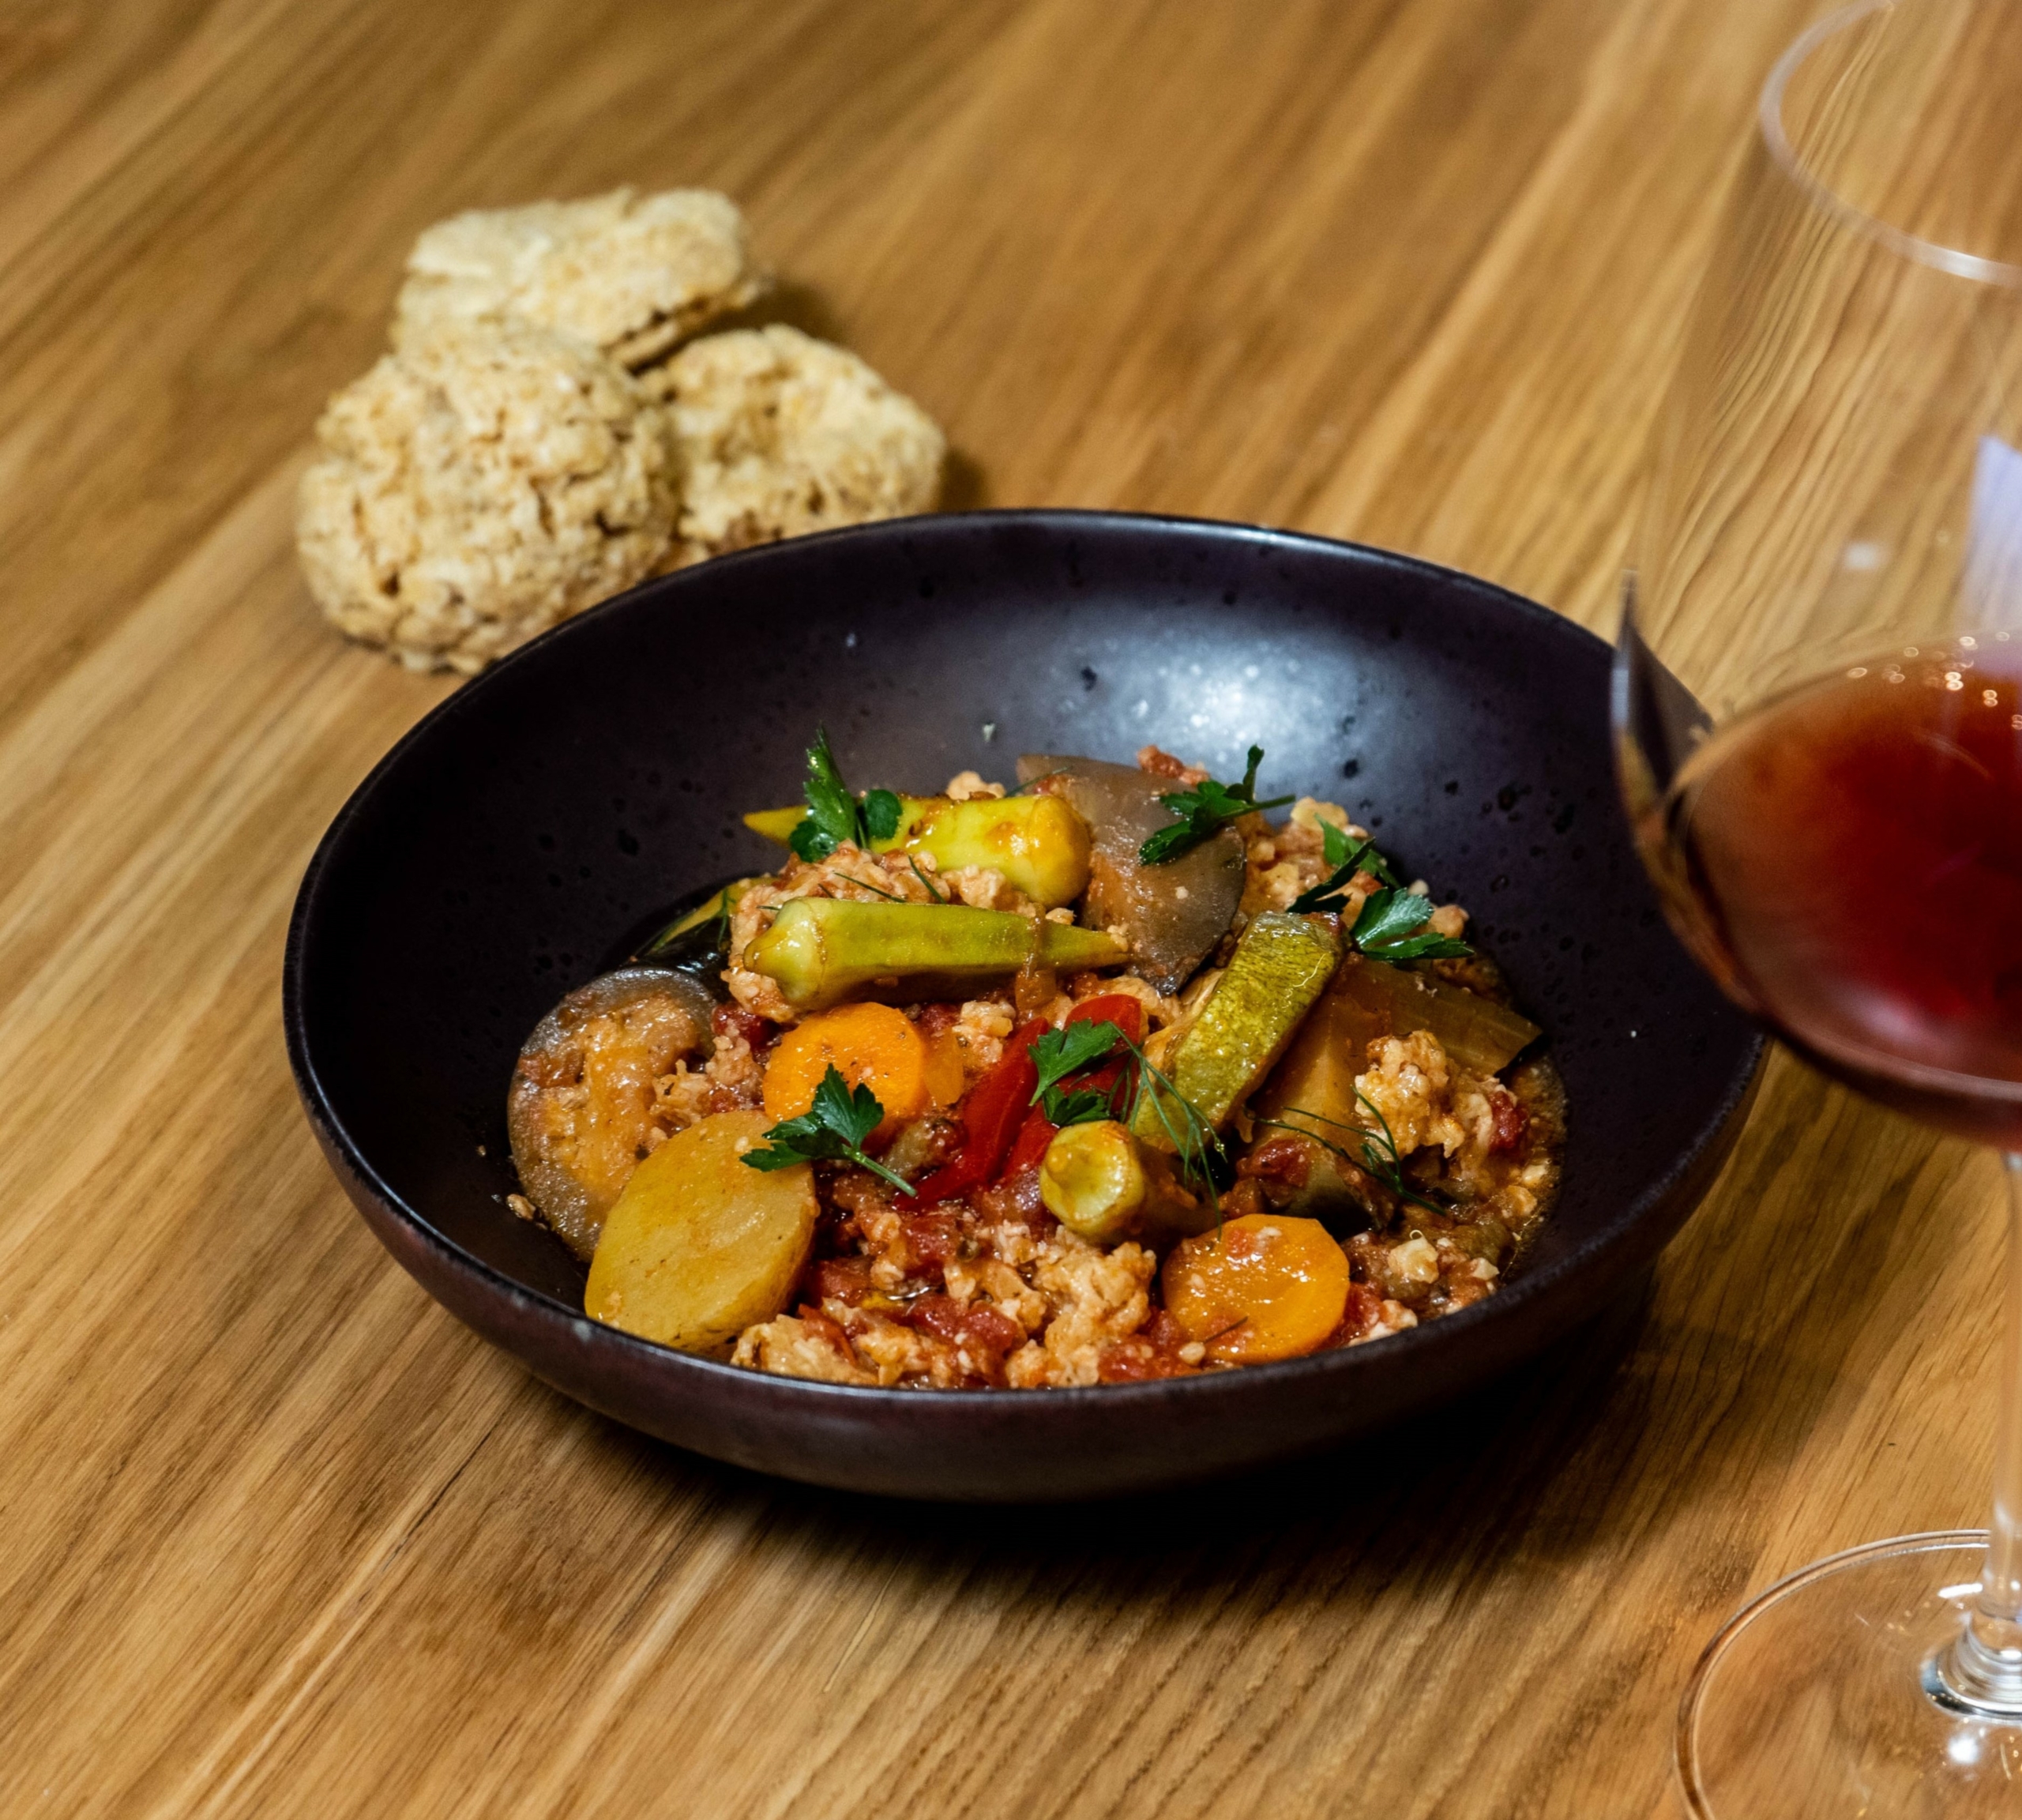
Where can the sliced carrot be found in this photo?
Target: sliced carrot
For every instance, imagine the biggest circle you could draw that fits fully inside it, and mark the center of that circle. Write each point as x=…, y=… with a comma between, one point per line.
x=1266, y=1287
x=874, y=1046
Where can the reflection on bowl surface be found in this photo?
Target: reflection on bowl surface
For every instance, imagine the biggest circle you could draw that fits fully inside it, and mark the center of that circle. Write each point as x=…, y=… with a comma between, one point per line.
x=525, y=834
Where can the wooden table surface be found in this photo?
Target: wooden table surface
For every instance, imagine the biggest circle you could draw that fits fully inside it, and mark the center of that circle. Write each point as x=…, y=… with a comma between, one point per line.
x=281, y=1538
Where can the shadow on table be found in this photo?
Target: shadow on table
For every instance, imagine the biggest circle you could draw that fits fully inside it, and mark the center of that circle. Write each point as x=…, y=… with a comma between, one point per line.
x=1450, y=1482
x=1630, y=1424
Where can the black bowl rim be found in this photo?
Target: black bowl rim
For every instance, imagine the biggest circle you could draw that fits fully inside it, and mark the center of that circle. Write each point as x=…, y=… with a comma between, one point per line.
x=1612, y=1251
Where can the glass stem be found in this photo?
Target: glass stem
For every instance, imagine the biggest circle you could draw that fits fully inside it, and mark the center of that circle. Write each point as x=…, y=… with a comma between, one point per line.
x=2000, y=1586
x=1982, y=1671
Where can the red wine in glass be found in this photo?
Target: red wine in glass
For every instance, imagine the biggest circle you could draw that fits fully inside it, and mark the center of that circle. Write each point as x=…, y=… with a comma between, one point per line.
x=1848, y=860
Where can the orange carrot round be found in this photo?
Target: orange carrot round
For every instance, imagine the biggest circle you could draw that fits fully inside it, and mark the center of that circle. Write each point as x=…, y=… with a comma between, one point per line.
x=874, y=1046
x=1266, y=1287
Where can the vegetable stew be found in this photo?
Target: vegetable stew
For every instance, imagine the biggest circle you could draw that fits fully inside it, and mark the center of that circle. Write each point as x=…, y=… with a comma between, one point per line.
x=1102, y=1077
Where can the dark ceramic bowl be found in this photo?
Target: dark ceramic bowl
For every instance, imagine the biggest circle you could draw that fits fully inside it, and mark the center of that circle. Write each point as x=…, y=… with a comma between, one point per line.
x=515, y=842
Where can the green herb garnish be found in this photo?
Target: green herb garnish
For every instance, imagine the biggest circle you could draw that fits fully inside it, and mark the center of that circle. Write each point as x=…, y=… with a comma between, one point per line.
x=1385, y=930
x=1345, y=858
x=1062, y=1052
x=866, y=885
x=1379, y=1159
x=834, y=1129
x=834, y=816
x=1084, y=1105
x=1196, y=1141
x=1204, y=811
x=1067, y=1051
x=881, y=811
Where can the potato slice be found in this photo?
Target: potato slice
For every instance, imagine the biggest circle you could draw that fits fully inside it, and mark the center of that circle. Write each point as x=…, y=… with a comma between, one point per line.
x=701, y=1246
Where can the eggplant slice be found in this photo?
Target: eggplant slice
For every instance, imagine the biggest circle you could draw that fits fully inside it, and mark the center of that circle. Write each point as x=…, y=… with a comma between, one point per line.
x=1173, y=914
x=581, y=1111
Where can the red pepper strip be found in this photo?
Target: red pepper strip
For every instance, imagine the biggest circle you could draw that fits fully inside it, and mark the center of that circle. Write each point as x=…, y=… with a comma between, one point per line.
x=1034, y=1136
x=1128, y=1015
x=990, y=1119
x=1126, y=1012
x=1004, y=1132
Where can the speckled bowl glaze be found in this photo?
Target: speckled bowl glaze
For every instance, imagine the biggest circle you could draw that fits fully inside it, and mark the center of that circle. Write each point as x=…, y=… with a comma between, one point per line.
x=515, y=842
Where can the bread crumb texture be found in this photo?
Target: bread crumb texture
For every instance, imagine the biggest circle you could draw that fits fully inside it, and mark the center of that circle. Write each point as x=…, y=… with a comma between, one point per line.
x=634, y=274
x=780, y=434
x=477, y=486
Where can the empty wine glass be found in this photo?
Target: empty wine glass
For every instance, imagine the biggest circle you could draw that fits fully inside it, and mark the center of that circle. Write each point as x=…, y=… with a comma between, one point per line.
x=1818, y=713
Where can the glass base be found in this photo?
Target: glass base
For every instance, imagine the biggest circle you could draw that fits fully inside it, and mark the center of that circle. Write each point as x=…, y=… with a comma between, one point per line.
x=1811, y=1703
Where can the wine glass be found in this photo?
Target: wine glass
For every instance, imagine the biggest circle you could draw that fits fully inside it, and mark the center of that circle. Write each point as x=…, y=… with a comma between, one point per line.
x=1818, y=705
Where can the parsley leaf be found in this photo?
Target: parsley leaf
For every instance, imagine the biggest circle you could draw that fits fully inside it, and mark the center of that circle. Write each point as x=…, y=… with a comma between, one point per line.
x=1060, y=1053
x=1345, y=858
x=1084, y=1106
x=833, y=814
x=1389, y=915
x=1424, y=948
x=831, y=810
x=881, y=814
x=834, y=1128
x=1386, y=929
x=1339, y=850
x=1204, y=811
x=1064, y=1051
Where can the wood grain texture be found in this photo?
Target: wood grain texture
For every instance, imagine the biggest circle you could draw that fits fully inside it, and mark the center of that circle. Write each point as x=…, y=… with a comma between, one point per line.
x=282, y=1538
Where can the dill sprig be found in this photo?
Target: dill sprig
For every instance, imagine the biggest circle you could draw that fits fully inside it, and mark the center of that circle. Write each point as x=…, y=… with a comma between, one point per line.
x=889, y=896
x=1195, y=1140
x=1379, y=1157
